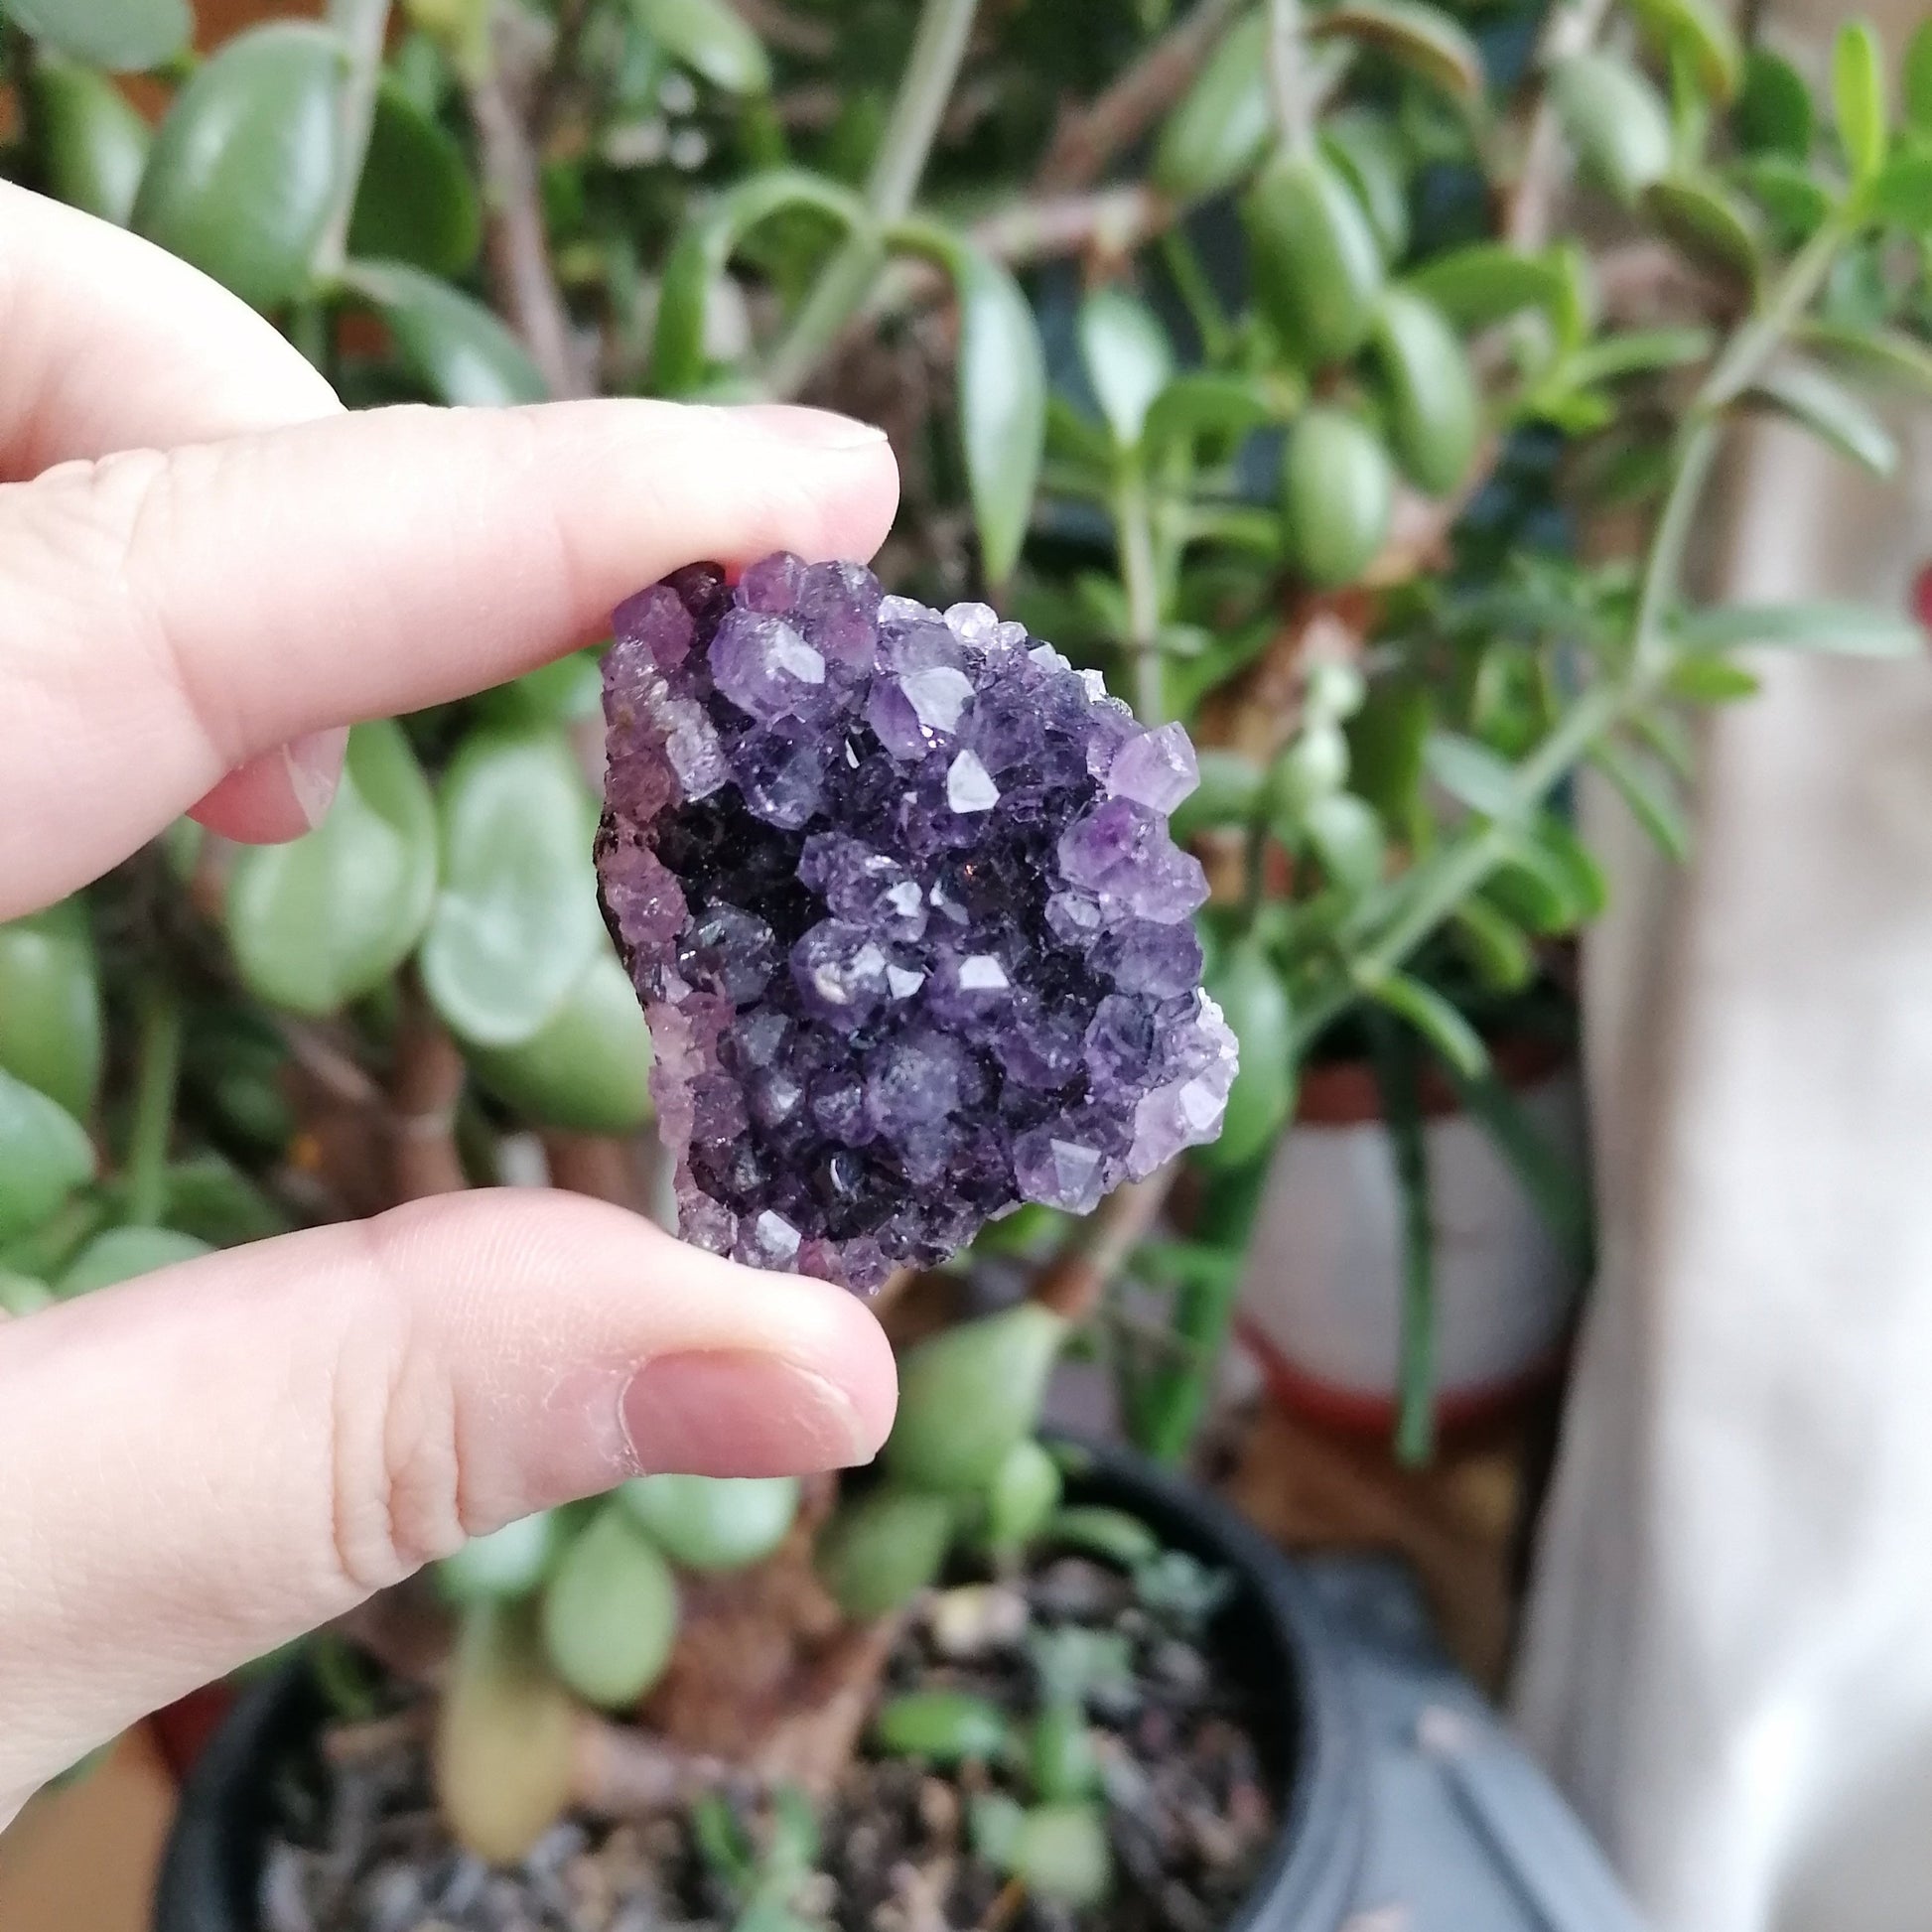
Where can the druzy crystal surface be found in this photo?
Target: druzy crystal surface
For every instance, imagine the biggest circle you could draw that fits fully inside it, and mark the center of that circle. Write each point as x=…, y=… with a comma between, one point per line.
x=896, y=889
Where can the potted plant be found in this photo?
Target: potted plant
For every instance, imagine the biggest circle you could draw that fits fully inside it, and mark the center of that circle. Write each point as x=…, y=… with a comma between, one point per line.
x=1235, y=348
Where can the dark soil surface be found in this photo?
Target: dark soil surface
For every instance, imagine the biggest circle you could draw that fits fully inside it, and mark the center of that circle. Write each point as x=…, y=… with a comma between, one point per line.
x=1191, y=1812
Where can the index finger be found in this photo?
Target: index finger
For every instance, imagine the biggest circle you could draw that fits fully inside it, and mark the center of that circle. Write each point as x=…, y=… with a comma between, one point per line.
x=170, y=617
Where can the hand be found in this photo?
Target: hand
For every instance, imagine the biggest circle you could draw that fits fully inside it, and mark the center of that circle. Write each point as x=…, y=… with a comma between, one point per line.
x=206, y=570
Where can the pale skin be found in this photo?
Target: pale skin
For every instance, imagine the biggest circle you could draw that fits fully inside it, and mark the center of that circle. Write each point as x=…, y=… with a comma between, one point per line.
x=207, y=571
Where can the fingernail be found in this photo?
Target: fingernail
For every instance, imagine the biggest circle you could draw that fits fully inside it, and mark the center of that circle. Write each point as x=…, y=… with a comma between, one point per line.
x=734, y=1412
x=315, y=768
x=812, y=429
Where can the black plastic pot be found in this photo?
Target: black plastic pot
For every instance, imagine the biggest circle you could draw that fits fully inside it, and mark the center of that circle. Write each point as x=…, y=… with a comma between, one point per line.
x=1272, y=1633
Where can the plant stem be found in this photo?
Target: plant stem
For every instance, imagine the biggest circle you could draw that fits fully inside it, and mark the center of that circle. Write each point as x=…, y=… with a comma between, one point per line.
x=158, y=1070
x=938, y=47
x=1134, y=520
x=364, y=26
x=1171, y=1403
x=1286, y=58
x=1419, y=904
x=1395, y=1056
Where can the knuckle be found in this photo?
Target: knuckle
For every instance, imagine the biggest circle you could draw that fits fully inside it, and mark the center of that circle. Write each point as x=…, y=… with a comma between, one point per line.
x=396, y=1462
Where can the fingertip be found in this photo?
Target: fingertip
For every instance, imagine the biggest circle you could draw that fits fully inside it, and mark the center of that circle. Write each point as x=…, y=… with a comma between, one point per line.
x=278, y=796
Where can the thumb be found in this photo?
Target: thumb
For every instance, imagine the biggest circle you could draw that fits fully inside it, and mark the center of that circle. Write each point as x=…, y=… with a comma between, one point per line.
x=202, y=1464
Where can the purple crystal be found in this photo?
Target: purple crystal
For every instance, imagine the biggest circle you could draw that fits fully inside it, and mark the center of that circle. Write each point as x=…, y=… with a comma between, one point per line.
x=896, y=889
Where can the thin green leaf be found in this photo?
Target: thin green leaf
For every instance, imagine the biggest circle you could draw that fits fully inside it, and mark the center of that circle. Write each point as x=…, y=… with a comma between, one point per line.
x=1859, y=97
x=1495, y=945
x=1127, y=357
x=122, y=36
x=711, y=38
x=1645, y=790
x=1432, y=1016
x=455, y=346
x=1473, y=774
x=1002, y=401
x=706, y=245
x=1639, y=352
x=1711, y=680
x=1202, y=403
x=1396, y=1078
x=1424, y=39
x=1828, y=628
x=1885, y=357
x=1558, y=1190
x=1347, y=834
x=1836, y=417
x=1488, y=281
x=244, y=169
x=1615, y=120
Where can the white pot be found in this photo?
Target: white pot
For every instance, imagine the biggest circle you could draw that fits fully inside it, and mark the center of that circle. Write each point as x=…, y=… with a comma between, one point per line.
x=1321, y=1297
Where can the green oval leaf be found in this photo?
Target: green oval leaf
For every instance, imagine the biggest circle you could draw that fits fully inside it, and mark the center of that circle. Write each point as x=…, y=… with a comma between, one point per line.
x=1859, y=97
x=1023, y=1493
x=1796, y=201
x=245, y=166
x=1707, y=222
x=1062, y=1853
x=1316, y=265
x=416, y=201
x=93, y=145
x=45, y=1155
x=1113, y=1535
x=1254, y=1003
x=1368, y=149
x=1229, y=792
x=1494, y=944
x=50, y=1004
x=709, y=38
x=1337, y=496
x=587, y=1070
x=121, y=1254
x=1434, y=408
x=1423, y=38
x=23, y=1294
x=123, y=35
x=706, y=245
x=1901, y=193
x=1221, y=125
x=504, y=1565
x=1126, y=356
x=1347, y=834
x=610, y=1612
x=968, y=1395
x=325, y=919
x=879, y=1552
x=1916, y=80
x=1204, y=404
x=1833, y=413
x=1699, y=32
x=1472, y=775
x=941, y=1727
x=712, y=1523
x=515, y=923
x=454, y=346
x=1615, y=120
x=1002, y=406
x=1773, y=114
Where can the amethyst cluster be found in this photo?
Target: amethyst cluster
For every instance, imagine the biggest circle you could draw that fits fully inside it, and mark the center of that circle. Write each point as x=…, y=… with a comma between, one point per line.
x=896, y=889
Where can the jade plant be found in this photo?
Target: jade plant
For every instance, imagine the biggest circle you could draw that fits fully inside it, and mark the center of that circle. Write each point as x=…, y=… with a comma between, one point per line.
x=1341, y=381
